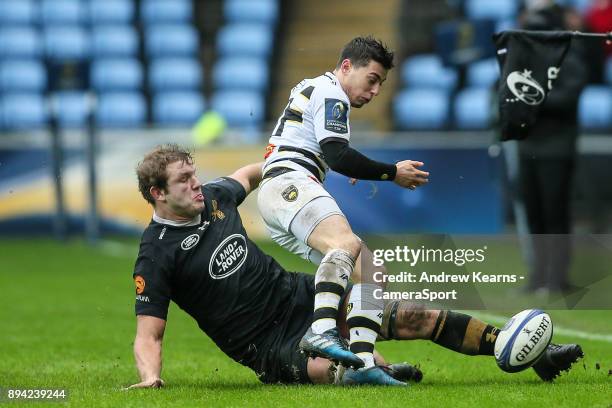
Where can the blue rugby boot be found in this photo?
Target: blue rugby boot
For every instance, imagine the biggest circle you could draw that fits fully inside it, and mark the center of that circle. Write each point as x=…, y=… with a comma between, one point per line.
x=330, y=345
x=377, y=375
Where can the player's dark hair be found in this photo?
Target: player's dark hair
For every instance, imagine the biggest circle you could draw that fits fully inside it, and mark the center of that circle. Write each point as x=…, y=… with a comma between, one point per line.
x=151, y=171
x=361, y=50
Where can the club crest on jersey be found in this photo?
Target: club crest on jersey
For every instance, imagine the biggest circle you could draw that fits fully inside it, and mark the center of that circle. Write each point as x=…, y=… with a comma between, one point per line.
x=190, y=242
x=336, y=115
x=140, y=284
x=217, y=214
x=228, y=257
x=290, y=194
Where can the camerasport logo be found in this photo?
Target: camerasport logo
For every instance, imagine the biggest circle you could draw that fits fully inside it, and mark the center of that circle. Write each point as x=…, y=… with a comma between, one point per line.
x=140, y=284
x=228, y=257
x=190, y=242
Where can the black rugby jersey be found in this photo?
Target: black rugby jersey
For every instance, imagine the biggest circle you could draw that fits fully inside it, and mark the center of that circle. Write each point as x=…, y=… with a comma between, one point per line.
x=213, y=272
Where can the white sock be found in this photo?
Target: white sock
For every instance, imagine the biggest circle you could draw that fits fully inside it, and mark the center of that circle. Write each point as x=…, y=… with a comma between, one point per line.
x=364, y=319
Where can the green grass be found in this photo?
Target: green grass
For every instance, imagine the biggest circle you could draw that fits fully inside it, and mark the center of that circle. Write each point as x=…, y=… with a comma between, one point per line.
x=68, y=322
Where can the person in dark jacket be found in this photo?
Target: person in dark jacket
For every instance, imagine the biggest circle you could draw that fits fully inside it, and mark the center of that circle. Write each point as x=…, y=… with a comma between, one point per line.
x=546, y=164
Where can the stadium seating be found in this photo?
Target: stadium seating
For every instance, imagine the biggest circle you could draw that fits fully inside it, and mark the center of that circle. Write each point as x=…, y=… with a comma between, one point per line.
x=62, y=12
x=608, y=71
x=18, y=12
x=494, y=10
x=177, y=108
x=66, y=42
x=20, y=42
x=111, y=11
x=240, y=108
x=472, y=109
x=118, y=74
x=175, y=74
x=483, y=74
x=595, y=108
x=23, y=111
x=166, y=11
x=426, y=109
x=114, y=41
x=245, y=40
x=171, y=40
x=120, y=110
x=251, y=11
x=22, y=76
x=241, y=73
x=427, y=71
x=72, y=108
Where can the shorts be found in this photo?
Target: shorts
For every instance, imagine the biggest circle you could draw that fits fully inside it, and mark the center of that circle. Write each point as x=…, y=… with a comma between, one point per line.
x=292, y=204
x=278, y=359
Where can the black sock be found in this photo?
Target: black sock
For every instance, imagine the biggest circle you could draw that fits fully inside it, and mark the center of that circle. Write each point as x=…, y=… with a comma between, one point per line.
x=464, y=334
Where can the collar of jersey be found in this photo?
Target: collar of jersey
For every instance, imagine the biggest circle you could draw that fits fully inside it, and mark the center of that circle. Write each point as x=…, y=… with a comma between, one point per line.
x=189, y=223
x=331, y=74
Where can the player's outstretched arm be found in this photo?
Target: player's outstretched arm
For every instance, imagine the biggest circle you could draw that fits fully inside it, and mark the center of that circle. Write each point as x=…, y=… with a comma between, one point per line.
x=147, y=351
x=249, y=176
x=347, y=161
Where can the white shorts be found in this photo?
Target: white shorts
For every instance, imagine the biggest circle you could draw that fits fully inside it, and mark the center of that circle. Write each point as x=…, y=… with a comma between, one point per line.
x=292, y=205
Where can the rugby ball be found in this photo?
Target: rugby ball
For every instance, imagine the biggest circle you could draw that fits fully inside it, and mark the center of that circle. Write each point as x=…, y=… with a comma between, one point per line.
x=523, y=340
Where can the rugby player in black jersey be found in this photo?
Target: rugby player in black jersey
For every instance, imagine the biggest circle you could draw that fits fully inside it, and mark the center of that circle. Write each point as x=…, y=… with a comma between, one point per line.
x=196, y=253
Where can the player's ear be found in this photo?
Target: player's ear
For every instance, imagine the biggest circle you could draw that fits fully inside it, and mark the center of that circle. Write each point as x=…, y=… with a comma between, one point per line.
x=346, y=66
x=157, y=193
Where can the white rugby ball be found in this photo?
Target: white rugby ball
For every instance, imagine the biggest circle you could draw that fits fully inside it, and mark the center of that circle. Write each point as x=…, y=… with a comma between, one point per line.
x=523, y=340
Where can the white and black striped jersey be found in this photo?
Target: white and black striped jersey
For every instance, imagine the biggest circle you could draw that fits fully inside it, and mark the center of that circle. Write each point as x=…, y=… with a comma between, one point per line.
x=318, y=110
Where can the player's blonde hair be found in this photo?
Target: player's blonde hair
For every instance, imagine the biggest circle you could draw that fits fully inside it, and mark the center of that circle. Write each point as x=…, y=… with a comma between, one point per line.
x=151, y=171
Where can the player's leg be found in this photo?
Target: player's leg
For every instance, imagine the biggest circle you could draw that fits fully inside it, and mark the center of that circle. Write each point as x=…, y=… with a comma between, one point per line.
x=465, y=334
x=365, y=311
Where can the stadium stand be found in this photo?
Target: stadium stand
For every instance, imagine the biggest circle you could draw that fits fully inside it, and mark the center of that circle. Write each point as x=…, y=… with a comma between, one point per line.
x=595, y=107
x=177, y=108
x=111, y=11
x=469, y=74
x=426, y=109
x=18, y=12
x=114, y=41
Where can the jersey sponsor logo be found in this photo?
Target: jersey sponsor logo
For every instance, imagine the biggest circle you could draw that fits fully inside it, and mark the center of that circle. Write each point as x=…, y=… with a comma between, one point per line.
x=228, y=257
x=143, y=298
x=290, y=193
x=217, y=214
x=336, y=116
x=190, y=242
x=140, y=284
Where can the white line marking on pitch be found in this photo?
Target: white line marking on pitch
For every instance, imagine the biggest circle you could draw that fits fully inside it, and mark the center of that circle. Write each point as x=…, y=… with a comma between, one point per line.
x=557, y=330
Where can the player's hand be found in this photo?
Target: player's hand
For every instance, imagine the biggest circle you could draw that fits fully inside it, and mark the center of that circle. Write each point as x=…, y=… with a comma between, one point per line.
x=352, y=181
x=409, y=176
x=153, y=383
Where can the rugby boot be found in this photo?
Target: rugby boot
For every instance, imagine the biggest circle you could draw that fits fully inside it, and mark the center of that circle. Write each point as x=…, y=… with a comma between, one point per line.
x=557, y=358
x=330, y=345
x=377, y=375
x=404, y=372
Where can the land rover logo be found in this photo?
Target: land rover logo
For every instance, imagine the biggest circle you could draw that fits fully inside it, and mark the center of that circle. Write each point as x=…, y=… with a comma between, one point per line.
x=190, y=242
x=228, y=257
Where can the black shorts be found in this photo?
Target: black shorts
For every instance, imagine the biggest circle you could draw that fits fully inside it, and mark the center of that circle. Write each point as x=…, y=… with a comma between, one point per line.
x=278, y=359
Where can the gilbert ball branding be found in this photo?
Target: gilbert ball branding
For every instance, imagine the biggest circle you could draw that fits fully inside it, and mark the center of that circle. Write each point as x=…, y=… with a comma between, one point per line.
x=523, y=340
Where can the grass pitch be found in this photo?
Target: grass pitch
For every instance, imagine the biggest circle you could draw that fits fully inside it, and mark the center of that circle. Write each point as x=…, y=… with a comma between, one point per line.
x=67, y=314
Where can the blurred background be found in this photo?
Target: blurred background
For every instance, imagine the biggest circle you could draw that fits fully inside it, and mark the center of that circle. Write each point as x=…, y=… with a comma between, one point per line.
x=88, y=86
